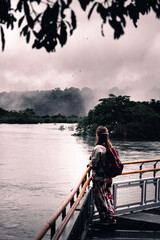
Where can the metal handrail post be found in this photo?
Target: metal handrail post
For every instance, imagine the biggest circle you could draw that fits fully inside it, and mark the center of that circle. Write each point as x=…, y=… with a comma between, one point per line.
x=143, y=187
x=140, y=168
x=69, y=214
x=154, y=173
x=53, y=229
x=158, y=192
x=115, y=195
x=91, y=204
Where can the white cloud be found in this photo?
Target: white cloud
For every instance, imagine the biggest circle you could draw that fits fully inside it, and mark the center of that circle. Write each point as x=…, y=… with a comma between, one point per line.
x=88, y=59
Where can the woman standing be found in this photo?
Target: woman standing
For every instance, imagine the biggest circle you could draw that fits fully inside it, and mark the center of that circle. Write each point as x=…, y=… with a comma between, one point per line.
x=102, y=186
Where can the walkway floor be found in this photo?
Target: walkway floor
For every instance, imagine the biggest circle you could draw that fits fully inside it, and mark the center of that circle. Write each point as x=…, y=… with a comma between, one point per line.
x=139, y=225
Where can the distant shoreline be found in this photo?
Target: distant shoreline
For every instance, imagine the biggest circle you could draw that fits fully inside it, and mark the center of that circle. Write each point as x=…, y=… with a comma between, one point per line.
x=28, y=116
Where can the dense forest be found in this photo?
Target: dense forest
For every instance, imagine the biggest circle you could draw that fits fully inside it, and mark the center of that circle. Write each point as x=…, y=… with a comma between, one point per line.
x=70, y=101
x=28, y=116
x=124, y=118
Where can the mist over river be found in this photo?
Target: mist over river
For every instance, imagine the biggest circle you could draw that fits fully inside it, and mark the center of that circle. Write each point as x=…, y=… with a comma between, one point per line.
x=40, y=164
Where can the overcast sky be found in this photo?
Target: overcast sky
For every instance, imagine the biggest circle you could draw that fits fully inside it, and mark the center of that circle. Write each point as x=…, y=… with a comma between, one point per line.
x=131, y=63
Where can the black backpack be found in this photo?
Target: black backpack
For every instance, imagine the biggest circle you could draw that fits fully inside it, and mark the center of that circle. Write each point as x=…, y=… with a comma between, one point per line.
x=113, y=166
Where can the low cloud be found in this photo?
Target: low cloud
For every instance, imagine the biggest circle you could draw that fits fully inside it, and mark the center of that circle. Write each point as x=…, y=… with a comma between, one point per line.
x=88, y=60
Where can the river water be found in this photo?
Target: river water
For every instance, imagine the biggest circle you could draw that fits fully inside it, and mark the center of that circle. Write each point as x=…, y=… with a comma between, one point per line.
x=39, y=165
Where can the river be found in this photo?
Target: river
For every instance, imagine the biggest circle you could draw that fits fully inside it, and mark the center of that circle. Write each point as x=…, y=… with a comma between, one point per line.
x=39, y=165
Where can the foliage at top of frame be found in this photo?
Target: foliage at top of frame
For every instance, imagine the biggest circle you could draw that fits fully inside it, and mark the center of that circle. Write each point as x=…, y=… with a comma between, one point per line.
x=50, y=23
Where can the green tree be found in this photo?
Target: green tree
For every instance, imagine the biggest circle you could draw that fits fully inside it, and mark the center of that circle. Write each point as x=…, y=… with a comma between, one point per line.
x=50, y=22
x=123, y=118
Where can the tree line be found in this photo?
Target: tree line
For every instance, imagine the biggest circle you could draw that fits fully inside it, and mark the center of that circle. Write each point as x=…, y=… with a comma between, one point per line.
x=124, y=118
x=28, y=116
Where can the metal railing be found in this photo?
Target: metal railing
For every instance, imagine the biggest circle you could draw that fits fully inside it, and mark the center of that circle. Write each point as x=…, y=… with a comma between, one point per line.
x=135, y=195
x=73, y=200
x=141, y=171
x=118, y=192
x=139, y=194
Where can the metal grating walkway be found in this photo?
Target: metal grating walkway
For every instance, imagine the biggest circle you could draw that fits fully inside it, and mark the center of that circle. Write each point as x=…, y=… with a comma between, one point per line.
x=141, y=225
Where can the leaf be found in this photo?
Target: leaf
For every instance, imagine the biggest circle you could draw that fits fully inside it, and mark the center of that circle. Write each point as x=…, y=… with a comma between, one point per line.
x=73, y=20
x=26, y=8
x=50, y=15
x=118, y=30
x=12, y=26
x=38, y=1
x=63, y=7
x=28, y=37
x=45, y=16
x=36, y=44
x=133, y=13
x=53, y=45
x=39, y=35
x=69, y=2
x=158, y=14
x=30, y=22
x=63, y=34
x=102, y=32
x=20, y=21
x=24, y=31
x=142, y=6
x=27, y=13
x=91, y=10
x=68, y=24
x=37, y=17
x=84, y=3
x=8, y=23
x=2, y=39
x=102, y=11
x=55, y=11
x=123, y=20
x=19, y=5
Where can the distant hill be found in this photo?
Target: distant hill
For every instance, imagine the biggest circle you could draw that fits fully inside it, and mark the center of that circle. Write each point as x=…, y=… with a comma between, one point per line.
x=70, y=101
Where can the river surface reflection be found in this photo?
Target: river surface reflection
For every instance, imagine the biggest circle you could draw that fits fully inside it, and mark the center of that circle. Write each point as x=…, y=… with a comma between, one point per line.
x=39, y=165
